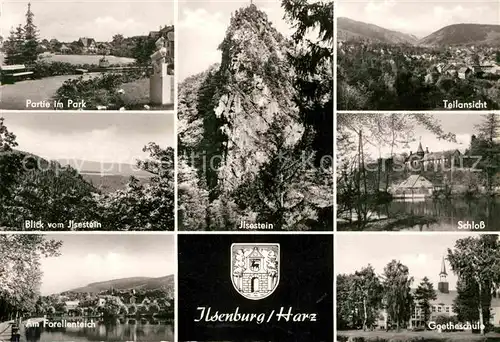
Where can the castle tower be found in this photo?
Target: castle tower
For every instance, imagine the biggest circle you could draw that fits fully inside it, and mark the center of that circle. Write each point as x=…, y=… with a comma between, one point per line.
x=443, y=285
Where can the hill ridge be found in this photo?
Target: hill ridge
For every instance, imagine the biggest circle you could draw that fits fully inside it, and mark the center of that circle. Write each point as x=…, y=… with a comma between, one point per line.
x=464, y=34
x=351, y=29
x=127, y=283
x=454, y=34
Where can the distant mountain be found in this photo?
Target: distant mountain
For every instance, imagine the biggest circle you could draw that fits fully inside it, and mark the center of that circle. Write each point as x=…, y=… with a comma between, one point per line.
x=110, y=183
x=105, y=168
x=464, y=34
x=142, y=283
x=348, y=29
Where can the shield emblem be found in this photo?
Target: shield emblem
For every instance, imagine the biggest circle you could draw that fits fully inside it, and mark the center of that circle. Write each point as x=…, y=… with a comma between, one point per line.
x=255, y=269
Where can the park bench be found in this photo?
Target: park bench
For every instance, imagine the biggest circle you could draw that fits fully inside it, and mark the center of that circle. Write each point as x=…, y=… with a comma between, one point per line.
x=12, y=73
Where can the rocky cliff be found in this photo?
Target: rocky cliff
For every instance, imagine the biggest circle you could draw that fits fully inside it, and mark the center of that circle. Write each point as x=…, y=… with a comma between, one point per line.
x=248, y=93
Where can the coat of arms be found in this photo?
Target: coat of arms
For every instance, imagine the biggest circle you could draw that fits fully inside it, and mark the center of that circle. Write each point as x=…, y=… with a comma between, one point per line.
x=255, y=269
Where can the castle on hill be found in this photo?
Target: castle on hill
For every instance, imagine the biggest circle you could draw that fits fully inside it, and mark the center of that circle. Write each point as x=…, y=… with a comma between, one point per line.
x=428, y=160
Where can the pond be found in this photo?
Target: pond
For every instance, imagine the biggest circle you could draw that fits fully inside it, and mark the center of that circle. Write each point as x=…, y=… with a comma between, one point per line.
x=129, y=331
x=427, y=214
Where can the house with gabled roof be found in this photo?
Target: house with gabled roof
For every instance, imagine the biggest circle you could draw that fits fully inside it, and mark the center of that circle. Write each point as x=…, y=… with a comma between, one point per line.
x=464, y=72
x=88, y=45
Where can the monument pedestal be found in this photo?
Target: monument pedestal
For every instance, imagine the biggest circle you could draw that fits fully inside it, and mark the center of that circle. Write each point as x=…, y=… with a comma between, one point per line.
x=161, y=86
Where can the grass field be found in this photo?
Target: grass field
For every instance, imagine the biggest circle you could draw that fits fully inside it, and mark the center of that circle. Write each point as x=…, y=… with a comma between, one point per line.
x=87, y=59
x=14, y=96
x=424, y=336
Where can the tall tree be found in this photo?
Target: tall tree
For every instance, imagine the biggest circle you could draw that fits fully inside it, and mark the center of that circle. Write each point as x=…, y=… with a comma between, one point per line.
x=313, y=64
x=49, y=192
x=424, y=294
x=7, y=139
x=489, y=128
x=144, y=206
x=346, y=303
x=20, y=271
x=466, y=303
x=288, y=190
x=30, y=47
x=371, y=290
x=398, y=298
x=10, y=165
x=117, y=40
x=14, y=46
x=476, y=261
x=143, y=49
x=487, y=147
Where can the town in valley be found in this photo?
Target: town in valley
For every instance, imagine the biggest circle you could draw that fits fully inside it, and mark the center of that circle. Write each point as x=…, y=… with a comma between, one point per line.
x=454, y=67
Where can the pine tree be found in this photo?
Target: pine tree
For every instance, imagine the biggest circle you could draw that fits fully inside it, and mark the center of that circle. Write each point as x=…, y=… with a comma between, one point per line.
x=13, y=46
x=313, y=65
x=488, y=148
x=30, y=38
x=424, y=294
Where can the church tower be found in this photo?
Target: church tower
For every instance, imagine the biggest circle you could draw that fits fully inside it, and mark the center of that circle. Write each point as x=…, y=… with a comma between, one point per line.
x=443, y=283
x=420, y=151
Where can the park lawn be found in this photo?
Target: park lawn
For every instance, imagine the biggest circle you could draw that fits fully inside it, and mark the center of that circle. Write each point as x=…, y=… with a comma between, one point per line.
x=87, y=59
x=137, y=95
x=14, y=96
x=459, y=336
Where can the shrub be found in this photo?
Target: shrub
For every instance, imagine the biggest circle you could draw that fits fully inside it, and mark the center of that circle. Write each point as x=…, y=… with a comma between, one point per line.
x=43, y=69
x=46, y=69
x=97, y=91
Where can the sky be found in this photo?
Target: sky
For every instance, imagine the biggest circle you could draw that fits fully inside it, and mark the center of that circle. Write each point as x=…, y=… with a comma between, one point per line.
x=99, y=136
x=462, y=124
x=70, y=20
x=421, y=253
x=89, y=258
x=202, y=27
x=422, y=17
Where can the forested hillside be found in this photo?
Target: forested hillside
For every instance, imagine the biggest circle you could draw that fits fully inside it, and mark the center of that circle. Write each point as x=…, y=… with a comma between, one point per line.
x=464, y=34
x=348, y=29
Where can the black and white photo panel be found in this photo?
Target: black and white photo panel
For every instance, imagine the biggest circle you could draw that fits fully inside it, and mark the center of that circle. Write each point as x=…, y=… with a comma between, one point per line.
x=87, y=55
x=87, y=287
x=387, y=59
x=255, y=287
x=86, y=171
x=255, y=116
x=426, y=287
x=418, y=171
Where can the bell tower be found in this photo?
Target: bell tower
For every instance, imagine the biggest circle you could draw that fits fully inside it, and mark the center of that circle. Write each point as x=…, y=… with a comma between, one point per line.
x=443, y=285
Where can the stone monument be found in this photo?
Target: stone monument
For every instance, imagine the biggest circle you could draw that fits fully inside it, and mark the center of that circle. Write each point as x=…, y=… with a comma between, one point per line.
x=161, y=84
